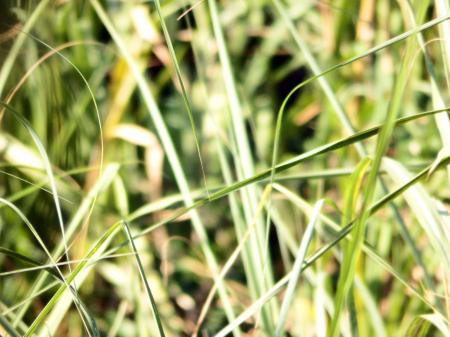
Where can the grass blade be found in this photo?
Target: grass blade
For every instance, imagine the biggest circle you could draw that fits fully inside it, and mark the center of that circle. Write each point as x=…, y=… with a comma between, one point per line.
x=297, y=268
x=352, y=248
x=144, y=280
x=186, y=100
x=171, y=153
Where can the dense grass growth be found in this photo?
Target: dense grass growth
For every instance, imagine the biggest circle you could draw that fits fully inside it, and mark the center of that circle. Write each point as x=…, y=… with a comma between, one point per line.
x=225, y=168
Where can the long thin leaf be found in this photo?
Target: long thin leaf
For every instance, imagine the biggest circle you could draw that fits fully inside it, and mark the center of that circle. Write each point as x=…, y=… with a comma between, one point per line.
x=144, y=280
x=297, y=268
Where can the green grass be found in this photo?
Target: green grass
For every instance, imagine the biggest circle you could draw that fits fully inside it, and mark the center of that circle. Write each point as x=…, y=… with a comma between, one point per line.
x=262, y=168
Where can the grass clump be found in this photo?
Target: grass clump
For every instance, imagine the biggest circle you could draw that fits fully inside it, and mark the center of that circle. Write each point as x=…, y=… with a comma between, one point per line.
x=271, y=168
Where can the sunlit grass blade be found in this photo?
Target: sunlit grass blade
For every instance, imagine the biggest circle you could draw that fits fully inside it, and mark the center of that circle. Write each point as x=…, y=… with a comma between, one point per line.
x=340, y=235
x=297, y=268
x=394, y=107
x=343, y=233
x=337, y=107
x=221, y=132
x=439, y=323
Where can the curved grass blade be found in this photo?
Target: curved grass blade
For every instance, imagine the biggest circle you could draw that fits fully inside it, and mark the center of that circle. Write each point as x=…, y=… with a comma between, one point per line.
x=99, y=121
x=340, y=234
x=48, y=169
x=341, y=114
x=395, y=103
x=318, y=74
x=33, y=231
x=280, y=284
x=314, y=257
x=439, y=323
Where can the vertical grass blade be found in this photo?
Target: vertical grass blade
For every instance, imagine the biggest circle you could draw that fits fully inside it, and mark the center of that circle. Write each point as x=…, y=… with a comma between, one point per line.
x=184, y=94
x=172, y=156
x=245, y=168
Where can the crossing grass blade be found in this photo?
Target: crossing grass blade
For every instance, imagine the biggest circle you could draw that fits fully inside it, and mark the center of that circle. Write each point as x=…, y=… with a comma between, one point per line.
x=87, y=319
x=395, y=103
x=424, y=209
x=8, y=327
x=112, y=231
